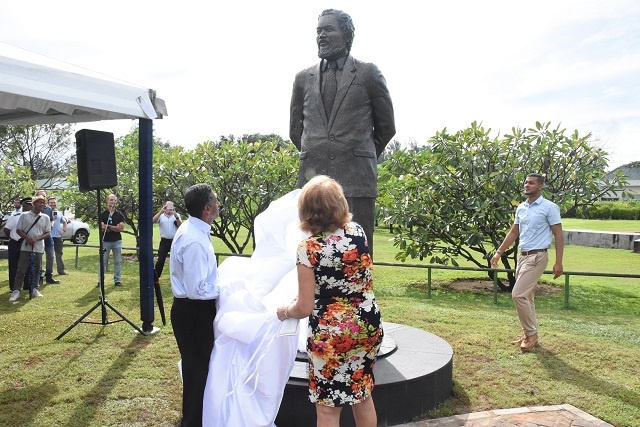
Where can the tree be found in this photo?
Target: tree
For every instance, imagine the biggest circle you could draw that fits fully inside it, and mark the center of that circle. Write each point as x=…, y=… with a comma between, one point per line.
x=247, y=176
x=15, y=181
x=256, y=137
x=43, y=149
x=457, y=197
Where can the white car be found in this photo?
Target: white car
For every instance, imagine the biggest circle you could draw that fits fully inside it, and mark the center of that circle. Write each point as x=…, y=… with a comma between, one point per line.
x=77, y=231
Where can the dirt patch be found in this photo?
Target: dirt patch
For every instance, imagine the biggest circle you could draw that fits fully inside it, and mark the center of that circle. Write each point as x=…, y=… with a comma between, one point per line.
x=468, y=285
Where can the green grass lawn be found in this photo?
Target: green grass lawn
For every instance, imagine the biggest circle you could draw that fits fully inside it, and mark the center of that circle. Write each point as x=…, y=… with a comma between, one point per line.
x=589, y=355
x=627, y=226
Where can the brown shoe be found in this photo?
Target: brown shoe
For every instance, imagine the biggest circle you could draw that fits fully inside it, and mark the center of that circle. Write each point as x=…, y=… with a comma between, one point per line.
x=519, y=340
x=529, y=342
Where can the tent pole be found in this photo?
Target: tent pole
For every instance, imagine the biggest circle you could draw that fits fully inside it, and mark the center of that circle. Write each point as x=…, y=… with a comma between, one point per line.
x=145, y=225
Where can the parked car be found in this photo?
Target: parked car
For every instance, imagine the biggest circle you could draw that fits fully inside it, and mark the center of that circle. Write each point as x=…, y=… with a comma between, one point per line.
x=77, y=231
x=4, y=240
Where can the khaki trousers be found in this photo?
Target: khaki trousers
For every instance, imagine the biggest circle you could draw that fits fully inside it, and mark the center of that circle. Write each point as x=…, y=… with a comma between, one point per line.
x=528, y=272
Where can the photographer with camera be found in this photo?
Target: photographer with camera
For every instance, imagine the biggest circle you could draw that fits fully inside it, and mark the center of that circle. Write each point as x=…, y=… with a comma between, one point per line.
x=168, y=221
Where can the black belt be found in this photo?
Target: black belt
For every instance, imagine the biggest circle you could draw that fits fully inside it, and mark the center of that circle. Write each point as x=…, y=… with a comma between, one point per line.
x=533, y=251
x=186, y=300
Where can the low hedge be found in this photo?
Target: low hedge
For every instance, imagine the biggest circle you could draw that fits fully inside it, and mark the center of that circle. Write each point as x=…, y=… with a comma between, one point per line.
x=629, y=210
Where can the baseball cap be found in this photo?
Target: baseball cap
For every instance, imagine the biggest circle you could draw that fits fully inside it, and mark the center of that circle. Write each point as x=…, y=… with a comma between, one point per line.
x=25, y=200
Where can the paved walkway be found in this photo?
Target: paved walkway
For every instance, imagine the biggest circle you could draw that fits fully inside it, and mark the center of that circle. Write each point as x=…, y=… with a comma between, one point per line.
x=535, y=416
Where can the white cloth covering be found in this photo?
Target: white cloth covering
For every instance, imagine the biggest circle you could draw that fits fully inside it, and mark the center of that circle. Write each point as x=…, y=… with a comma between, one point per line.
x=251, y=362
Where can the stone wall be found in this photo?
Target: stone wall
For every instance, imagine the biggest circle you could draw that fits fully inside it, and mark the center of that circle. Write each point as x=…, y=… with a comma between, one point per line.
x=600, y=239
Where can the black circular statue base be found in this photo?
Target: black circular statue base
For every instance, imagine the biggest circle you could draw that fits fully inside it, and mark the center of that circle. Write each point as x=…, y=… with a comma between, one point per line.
x=414, y=374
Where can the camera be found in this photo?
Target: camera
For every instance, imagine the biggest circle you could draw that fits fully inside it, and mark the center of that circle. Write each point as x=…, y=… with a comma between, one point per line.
x=55, y=213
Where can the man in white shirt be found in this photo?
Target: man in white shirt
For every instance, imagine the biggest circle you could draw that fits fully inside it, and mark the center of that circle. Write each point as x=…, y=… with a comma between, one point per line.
x=168, y=221
x=11, y=231
x=194, y=283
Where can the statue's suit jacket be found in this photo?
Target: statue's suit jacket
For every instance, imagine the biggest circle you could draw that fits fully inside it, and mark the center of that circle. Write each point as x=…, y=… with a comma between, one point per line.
x=346, y=145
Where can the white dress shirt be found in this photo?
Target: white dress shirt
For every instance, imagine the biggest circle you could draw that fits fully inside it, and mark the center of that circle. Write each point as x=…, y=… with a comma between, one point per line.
x=194, y=269
x=11, y=224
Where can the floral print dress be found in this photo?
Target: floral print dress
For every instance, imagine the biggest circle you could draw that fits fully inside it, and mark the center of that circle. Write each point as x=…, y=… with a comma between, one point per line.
x=345, y=330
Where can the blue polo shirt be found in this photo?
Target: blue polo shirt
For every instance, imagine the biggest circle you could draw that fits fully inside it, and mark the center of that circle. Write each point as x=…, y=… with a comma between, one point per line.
x=56, y=226
x=534, y=221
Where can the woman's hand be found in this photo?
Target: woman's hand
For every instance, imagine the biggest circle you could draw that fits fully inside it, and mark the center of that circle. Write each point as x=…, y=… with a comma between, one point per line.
x=283, y=312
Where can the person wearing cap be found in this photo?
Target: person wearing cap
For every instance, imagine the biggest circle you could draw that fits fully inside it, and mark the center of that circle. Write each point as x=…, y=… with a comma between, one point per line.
x=34, y=227
x=11, y=231
x=168, y=221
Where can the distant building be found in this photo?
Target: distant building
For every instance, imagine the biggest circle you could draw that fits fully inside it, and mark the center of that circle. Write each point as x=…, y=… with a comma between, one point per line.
x=53, y=184
x=632, y=172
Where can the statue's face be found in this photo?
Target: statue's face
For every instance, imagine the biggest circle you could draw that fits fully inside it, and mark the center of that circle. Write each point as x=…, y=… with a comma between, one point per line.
x=331, y=44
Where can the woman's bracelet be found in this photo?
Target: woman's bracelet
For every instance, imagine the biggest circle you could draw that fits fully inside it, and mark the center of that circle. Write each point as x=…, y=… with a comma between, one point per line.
x=286, y=312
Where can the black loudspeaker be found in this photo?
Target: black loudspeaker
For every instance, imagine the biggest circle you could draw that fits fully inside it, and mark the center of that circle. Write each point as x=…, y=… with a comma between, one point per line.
x=96, y=154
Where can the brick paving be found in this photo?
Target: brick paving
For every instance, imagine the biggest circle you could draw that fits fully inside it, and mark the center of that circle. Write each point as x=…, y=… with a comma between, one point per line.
x=534, y=416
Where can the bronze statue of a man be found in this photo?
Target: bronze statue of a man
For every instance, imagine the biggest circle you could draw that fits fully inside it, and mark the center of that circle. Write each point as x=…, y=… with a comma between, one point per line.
x=342, y=118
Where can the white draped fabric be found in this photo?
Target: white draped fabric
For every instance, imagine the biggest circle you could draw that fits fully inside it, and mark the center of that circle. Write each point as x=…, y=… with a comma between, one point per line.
x=251, y=361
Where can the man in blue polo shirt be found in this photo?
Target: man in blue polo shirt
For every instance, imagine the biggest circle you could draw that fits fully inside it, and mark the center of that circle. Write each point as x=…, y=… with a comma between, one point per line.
x=537, y=220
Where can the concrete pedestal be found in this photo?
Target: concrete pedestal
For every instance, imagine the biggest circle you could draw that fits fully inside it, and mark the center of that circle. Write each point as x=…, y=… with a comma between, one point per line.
x=414, y=376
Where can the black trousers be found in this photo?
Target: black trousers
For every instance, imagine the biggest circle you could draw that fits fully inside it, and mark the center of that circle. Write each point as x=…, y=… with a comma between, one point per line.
x=49, y=254
x=14, y=257
x=192, y=322
x=14, y=254
x=163, y=251
x=364, y=213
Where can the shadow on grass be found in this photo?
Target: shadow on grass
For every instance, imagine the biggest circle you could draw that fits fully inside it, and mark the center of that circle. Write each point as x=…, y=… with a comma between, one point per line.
x=95, y=398
x=19, y=408
x=559, y=370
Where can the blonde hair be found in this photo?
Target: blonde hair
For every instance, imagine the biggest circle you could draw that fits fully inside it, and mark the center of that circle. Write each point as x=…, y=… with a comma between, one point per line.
x=322, y=206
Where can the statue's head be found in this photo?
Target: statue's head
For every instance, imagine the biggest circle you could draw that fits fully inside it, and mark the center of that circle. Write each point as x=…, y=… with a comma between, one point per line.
x=335, y=34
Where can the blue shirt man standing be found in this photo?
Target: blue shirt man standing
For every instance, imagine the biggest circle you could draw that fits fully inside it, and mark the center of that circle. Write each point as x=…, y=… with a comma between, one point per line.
x=58, y=227
x=537, y=220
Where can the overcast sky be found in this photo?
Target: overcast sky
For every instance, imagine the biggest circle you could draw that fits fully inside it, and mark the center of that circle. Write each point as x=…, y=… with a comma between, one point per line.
x=227, y=67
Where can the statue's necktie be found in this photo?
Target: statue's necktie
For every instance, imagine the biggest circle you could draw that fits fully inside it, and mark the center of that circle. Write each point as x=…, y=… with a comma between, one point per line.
x=330, y=87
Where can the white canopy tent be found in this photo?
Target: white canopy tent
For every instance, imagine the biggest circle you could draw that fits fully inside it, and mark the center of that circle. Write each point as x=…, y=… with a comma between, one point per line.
x=33, y=93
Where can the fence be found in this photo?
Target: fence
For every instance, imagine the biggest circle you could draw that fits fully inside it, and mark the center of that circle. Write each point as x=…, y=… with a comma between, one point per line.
x=566, y=274
x=430, y=267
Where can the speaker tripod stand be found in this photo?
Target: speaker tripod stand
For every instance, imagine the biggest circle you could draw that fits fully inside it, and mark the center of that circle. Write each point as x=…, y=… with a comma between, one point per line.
x=102, y=300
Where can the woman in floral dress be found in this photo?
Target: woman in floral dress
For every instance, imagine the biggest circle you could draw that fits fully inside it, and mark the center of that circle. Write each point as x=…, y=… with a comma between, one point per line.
x=336, y=292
